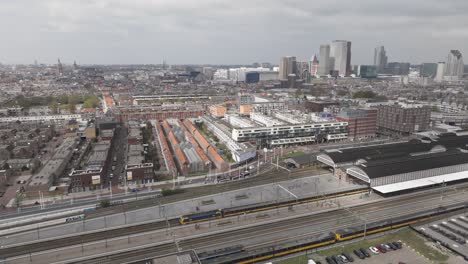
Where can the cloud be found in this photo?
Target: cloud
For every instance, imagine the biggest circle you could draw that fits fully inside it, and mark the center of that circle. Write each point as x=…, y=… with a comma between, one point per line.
x=227, y=31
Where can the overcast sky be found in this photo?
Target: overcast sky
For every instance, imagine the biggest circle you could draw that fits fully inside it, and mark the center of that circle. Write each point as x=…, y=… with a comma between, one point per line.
x=227, y=31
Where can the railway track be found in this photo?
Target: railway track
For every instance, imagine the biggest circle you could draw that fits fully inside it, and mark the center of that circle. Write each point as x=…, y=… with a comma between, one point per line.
x=318, y=218
x=85, y=238
x=326, y=220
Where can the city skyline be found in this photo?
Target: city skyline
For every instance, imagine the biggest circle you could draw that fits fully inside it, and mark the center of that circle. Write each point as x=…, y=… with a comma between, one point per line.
x=218, y=32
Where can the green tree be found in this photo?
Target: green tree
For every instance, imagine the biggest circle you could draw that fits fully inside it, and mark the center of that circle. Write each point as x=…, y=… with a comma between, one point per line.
x=364, y=94
x=105, y=203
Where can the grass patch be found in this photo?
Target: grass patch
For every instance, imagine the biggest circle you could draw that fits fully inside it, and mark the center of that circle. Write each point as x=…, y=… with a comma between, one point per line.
x=167, y=192
x=294, y=154
x=296, y=260
x=208, y=202
x=224, y=223
x=406, y=235
x=241, y=197
x=260, y=216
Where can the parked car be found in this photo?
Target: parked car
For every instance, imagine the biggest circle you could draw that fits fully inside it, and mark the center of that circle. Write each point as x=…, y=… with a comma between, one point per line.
x=359, y=254
x=381, y=249
x=343, y=258
x=365, y=252
x=393, y=247
x=374, y=250
x=330, y=260
x=387, y=247
x=398, y=244
x=348, y=256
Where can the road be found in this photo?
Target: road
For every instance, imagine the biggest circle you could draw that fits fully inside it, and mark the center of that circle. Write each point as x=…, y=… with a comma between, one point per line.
x=256, y=232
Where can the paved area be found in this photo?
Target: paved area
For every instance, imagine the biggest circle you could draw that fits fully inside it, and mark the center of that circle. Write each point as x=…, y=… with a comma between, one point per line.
x=405, y=255
x=315, y=185
x=451, y=233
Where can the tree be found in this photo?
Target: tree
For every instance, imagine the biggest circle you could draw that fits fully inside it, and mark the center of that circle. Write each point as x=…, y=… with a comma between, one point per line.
x=72, y=108
x=19, y=197
x=105, y=203
x=364, y=94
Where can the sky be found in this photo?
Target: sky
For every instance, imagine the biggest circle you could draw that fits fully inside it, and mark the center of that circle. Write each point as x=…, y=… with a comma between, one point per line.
x=226, y=31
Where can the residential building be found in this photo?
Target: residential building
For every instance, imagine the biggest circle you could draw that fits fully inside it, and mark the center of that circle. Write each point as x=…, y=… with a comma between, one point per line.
x=287, y=66
x=403, y=119
x=454, y=66
x=217, y=111
x=292, y=134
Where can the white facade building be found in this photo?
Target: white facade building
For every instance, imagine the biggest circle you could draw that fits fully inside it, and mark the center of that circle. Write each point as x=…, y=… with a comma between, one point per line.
x=454, y=66
x=340, y=50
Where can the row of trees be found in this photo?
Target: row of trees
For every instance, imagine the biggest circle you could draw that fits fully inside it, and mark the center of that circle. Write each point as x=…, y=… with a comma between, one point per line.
x=65, y=101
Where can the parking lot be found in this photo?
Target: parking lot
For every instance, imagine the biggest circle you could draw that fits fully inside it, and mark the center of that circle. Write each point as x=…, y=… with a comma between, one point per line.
x=451, y=233
x=416, y=249
x=404, y=255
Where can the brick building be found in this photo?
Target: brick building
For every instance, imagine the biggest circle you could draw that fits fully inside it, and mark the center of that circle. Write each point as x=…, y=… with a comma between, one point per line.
x=396, y=119
x=362, y=123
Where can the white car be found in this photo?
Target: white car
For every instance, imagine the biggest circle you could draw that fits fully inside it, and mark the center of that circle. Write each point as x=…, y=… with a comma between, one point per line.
x=374, y=250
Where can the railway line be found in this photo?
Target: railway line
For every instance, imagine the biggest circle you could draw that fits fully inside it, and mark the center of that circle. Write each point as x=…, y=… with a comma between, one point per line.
x=321, y=223
x=326, y=221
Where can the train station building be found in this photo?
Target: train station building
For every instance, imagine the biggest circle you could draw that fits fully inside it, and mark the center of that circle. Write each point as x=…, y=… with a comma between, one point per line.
x=398, y=167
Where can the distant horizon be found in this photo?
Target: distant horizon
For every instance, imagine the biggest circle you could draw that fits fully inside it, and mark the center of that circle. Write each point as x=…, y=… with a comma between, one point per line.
x=227, y=32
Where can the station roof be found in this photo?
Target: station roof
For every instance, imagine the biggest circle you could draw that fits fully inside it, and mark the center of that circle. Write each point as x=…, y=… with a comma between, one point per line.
x=396, y=150
x=408, y=185
x=382, y=168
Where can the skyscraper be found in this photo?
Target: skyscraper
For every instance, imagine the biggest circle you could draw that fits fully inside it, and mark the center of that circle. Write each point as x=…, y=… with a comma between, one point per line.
x=454, y=65
x=287, y=66
x=428, y=70
x=380, y=58
x=314, y=65
x=440, y=72
x=324, y=61
x=340, y=51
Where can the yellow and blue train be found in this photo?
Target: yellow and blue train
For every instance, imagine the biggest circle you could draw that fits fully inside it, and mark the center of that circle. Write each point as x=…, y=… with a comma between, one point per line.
x=246, y=257
x=241, y=210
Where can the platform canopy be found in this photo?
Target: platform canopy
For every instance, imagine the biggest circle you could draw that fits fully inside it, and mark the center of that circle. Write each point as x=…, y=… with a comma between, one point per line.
x=407, y=185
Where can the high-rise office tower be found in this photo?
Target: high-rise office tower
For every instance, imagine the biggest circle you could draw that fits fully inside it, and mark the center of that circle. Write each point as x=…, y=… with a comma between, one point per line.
x=287, y=66
x=324, y=61
x=454, y=65
x=428, y=70
x=340, y=51
x=380, y=58
x=440, y=72
x=314, y=65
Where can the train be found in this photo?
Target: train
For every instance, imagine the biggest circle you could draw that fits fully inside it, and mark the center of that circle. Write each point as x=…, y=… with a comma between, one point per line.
x=253, y=208
x=247, y=257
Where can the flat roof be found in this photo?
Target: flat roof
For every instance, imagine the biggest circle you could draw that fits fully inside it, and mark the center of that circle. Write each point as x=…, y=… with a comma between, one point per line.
x=407, y=185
